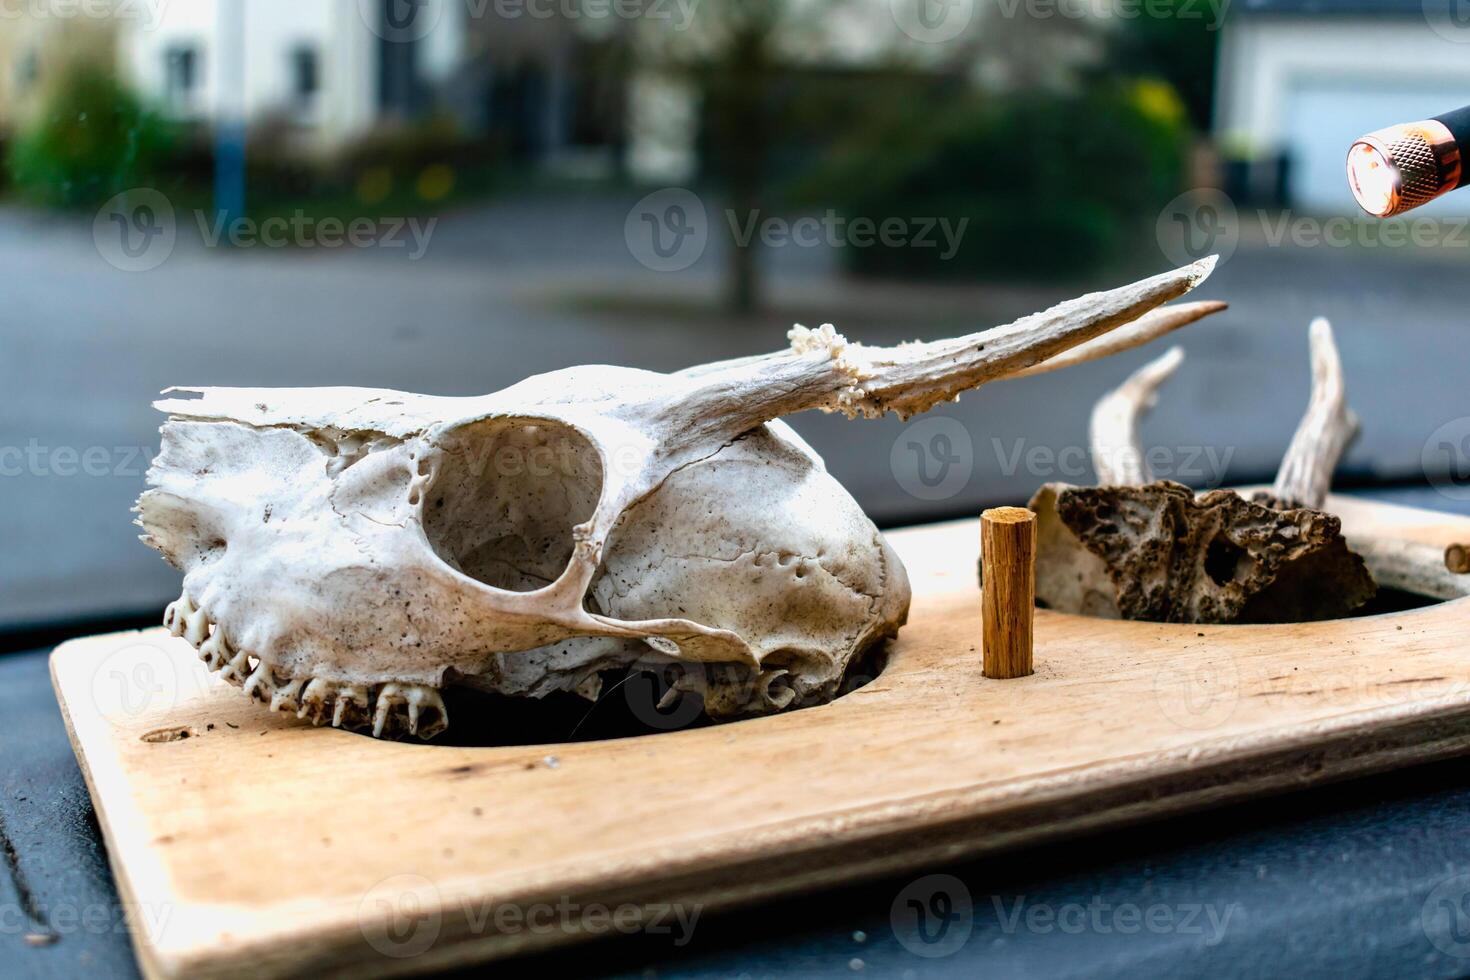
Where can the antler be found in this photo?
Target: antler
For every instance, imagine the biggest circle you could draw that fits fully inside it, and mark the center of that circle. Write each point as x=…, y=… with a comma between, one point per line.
x=1323, y=434
x=823, y=370
x=1117, y=451
x=1151, y=326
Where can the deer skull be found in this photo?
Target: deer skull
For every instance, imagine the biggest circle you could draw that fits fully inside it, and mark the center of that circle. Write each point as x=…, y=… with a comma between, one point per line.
x=347, y=552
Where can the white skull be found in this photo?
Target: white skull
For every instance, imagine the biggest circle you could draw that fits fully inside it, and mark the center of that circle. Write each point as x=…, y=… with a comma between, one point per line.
x=349, y=552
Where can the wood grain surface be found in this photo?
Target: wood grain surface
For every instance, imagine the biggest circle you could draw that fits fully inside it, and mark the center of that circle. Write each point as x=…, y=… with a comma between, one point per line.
x=244, y=841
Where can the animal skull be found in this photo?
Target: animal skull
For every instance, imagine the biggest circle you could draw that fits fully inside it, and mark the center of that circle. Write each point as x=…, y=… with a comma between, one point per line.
x=349, y=552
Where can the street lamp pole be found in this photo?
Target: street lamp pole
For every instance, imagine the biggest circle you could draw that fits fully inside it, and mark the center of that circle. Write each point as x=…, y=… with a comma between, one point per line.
x=229, y=123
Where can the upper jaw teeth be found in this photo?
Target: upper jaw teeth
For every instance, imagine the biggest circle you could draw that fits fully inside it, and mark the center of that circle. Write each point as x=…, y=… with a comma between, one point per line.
x=390, y=708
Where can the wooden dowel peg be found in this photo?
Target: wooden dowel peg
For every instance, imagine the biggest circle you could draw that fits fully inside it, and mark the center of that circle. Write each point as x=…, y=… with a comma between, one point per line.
x=1457, y=558
x=1007, y=589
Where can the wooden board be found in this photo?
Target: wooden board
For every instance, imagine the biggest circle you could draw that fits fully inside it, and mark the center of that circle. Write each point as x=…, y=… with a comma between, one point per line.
x=260, y=843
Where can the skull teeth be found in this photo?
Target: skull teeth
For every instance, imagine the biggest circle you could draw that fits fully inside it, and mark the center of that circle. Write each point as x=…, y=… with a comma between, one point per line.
x=388, y=709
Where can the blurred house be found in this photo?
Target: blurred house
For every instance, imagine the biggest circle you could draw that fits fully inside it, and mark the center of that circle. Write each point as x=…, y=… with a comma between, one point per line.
x=561, y=85
x=35, y=49
x=333, y=71
x=1298, y=80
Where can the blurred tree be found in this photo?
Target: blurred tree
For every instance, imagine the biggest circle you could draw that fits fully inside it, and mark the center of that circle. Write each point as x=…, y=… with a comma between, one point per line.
x=1048, y=183
x=1177, y=41
x=91, y=140
x=737, y=55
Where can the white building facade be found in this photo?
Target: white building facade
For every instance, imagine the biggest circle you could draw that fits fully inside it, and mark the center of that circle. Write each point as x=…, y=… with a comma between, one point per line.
x=333, y=68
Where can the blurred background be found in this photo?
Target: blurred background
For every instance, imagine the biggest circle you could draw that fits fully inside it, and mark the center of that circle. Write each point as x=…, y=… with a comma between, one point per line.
x=449, y=195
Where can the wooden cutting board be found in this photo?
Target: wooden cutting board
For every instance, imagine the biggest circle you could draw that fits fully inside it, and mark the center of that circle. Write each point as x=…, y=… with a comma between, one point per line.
x=247, y=841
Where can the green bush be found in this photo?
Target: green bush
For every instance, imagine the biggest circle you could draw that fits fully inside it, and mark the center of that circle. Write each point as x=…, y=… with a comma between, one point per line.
x=1052, y=185
x=92, y=139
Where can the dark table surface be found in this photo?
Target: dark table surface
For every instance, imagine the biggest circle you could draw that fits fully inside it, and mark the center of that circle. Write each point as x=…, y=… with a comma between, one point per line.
x=1369, y=878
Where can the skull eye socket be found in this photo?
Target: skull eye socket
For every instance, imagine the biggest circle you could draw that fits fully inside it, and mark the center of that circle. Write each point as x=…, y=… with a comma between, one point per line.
x=505, y=498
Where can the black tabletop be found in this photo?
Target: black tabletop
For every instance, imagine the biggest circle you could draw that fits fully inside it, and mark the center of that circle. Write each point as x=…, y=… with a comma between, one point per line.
x=1369, y=878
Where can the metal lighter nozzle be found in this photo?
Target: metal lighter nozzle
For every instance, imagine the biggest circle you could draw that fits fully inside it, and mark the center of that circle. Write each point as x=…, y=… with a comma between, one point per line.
x=1396, y=169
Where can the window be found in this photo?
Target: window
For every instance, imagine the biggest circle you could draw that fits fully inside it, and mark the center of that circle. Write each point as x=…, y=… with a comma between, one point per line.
x=27, y=70
x=181, y=73
x=305, y=73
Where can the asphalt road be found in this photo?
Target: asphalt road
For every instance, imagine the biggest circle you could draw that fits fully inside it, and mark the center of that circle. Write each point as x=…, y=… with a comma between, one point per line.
x=523, y=287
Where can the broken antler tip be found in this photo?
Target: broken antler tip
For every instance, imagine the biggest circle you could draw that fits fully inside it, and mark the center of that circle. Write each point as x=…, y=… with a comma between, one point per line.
x=1200, y=271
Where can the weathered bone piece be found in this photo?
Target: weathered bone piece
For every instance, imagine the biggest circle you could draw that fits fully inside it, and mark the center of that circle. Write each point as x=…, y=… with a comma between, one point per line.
x=1117, y=451
x=1137, y=548
x=1324, y=433
x=350, y=552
